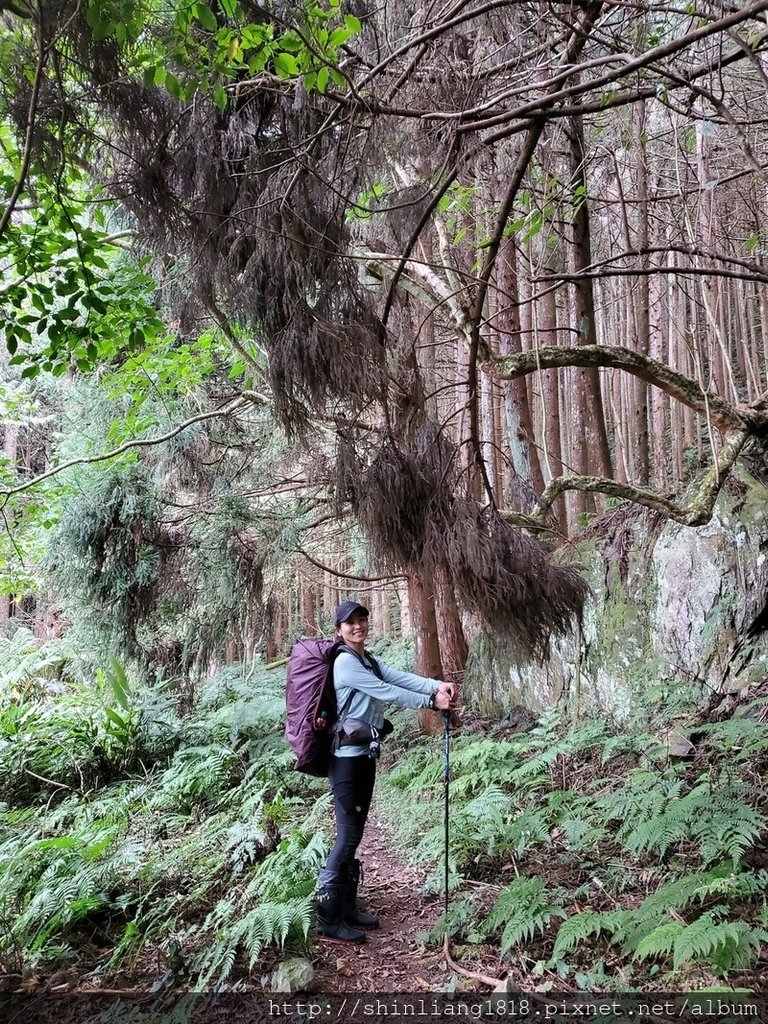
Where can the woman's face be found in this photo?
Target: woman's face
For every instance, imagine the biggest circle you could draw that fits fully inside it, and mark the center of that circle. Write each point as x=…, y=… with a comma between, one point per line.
x=355, y=629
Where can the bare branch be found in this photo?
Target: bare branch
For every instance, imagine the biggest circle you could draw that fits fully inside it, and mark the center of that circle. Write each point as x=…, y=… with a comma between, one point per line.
x=239, y=403
x=676, y=385
x=753, y=271
x=26, y=156
x=348, y=575
x=543, y=105
x=696, y=512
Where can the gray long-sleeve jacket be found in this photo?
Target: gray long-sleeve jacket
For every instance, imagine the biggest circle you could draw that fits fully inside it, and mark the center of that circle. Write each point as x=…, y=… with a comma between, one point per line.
x=373, y=694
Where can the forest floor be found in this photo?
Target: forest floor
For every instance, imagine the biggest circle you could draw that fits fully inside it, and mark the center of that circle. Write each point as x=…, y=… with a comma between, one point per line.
x=392, y=960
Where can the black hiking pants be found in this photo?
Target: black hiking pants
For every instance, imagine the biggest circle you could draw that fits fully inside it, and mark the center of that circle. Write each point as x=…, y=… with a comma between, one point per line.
x=352, y=781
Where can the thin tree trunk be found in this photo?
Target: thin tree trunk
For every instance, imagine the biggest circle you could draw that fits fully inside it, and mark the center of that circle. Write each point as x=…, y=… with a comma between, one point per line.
x=10, y=450
x=525, y=460
x=547, y=334
x=428, y=663
x=598, y=455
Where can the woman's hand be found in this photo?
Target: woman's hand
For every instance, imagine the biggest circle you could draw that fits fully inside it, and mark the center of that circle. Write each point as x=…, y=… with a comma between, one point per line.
x=448, y=689
x=442, y=698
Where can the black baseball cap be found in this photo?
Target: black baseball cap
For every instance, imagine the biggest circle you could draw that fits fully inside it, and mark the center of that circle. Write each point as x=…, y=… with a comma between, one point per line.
x=347, y=609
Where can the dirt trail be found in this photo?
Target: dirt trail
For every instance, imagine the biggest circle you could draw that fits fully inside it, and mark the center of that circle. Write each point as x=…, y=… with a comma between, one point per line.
x=391, y=960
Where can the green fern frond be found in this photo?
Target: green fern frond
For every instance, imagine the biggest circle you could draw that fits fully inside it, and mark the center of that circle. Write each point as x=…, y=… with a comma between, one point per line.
x=456, y=923
x=660, y=942
x=581, y=834
x=628, y=743
x=578, y=928
x=234, y=931
x=743, y=738
x=715, y=816
x=483, y=763
x=523, y=908
x=530, y=828
x=726, y=945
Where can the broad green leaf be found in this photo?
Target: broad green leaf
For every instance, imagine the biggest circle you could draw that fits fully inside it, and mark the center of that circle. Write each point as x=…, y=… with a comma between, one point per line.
x=116, y=719
x=173, y=85
x=118, y=680
x=286, y=65
x=338, y=37
x=206, y=17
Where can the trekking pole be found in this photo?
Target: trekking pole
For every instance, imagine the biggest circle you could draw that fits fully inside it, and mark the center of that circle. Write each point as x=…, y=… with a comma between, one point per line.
x=446, y=781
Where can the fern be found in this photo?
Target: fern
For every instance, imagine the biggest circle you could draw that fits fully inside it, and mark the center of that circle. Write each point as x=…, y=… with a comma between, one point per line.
x=233, y=929
x=530, y=828
x=682, y=893
x=660, y=941
x=26, y=665
x=744, y=738
x=647, y=932
x=641, y=798
x=458, y=923
x=578, y=928
x=581, y=834
x=523, y=908
x=196, y=773
x=476, y=764
x=726, y=945
x=54, y=883
x=718, y=820
x=630, y=743
x=479, y=825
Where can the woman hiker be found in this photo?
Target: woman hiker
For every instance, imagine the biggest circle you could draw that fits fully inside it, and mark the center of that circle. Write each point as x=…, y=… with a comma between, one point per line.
x=363, y=687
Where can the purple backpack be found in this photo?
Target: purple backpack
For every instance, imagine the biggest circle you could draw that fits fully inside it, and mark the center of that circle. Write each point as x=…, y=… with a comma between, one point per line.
x=310, y=699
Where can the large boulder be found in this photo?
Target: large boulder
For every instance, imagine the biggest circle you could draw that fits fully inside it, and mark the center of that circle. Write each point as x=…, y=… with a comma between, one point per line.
x=675, y=612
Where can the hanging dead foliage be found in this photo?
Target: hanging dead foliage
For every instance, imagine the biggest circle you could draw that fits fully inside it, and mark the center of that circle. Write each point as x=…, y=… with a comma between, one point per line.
x=410, y=506
x=259, y=233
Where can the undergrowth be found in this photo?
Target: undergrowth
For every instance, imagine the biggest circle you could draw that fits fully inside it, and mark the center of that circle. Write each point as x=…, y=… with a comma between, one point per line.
x=584, y=852
x=129, y=835
x=133, y=839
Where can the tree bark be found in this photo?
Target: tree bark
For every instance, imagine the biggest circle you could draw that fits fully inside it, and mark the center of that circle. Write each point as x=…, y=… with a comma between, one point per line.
x=595, y=432
x=517, y=410
x=427, y=659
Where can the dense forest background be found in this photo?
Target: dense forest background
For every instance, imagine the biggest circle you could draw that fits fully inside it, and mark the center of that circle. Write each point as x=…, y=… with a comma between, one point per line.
x=459, y=308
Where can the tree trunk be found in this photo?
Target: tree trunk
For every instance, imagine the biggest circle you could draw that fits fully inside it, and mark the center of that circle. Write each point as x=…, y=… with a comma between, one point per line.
x=428, y=663
x=641, y=467
x=519, y=421
x=10, y=450
x=545, y=324
x=595, y=433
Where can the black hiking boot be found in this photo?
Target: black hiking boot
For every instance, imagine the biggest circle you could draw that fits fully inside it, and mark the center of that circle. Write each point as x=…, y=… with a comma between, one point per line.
x=330, y=897
x=350, y=911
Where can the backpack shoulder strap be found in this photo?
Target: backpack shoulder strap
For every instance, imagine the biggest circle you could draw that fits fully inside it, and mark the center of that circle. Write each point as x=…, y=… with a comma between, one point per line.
x=374, y=665
x=343, y=713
